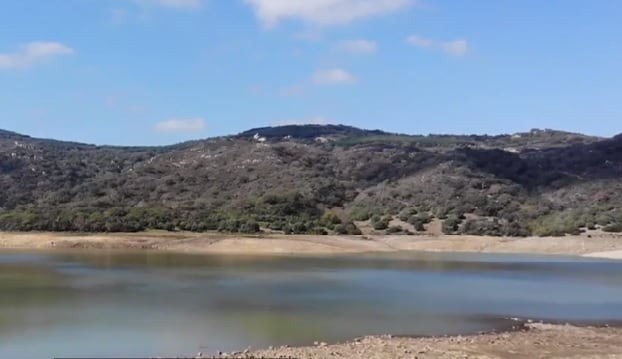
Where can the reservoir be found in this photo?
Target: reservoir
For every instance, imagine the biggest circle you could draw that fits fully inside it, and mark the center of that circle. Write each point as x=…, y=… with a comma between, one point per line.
x=147, y=303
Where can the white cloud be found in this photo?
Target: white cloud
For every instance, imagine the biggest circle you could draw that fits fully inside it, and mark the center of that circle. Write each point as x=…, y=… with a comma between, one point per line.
x=317, y=120
x=32, y=54
x=458, y=47
x=323, y=12
x=181, y=125
x=334, y=76
x=359, y=47
x=419, y=41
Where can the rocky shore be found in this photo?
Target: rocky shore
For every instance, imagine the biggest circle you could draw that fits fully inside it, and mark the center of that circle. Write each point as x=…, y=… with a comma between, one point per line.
x=529, y=340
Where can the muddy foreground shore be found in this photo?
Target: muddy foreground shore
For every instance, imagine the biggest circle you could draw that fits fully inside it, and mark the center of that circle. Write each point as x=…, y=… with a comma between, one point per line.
x=530, y=341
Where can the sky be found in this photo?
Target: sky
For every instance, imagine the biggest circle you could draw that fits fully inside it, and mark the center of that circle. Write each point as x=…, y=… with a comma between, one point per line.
x=153, y=72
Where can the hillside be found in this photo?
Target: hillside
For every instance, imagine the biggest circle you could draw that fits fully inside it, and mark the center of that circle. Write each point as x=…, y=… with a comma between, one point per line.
x=317, y=179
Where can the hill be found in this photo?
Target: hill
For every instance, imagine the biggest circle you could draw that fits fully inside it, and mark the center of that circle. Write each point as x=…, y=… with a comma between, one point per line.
x=317, y=179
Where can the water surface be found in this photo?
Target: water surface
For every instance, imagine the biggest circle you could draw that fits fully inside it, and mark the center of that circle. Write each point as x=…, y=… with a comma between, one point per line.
x=131, y=304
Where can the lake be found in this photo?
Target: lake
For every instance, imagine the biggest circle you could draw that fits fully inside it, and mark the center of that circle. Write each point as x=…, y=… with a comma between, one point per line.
x=131, y=304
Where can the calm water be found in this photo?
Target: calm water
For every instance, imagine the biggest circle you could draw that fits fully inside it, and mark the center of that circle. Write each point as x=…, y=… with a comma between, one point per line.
x=119, y=304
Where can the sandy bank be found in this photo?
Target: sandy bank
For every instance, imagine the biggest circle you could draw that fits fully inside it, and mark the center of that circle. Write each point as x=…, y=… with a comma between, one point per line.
x=607, y=254
x=604, y=245
x=533, y=341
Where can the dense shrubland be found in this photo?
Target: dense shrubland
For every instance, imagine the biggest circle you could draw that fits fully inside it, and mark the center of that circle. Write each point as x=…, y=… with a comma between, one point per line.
x=317, y=179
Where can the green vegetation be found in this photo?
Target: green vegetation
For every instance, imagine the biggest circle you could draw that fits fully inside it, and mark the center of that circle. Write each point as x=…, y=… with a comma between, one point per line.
x=317, y=179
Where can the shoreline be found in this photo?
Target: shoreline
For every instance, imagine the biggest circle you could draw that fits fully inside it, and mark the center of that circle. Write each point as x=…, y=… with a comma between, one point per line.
x=608, y=246
x=519, y=340
x=525, y=340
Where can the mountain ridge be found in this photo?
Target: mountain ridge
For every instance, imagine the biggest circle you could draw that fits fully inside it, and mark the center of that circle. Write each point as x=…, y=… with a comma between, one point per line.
x=317, y=179
x=310, y=131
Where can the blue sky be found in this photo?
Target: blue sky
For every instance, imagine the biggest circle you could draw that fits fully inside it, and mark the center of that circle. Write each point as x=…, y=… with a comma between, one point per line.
x=139, y=72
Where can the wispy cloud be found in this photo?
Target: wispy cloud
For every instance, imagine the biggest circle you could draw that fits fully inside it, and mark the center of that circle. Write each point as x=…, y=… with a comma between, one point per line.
x=33, y=54
x=357, y=47
x=458, y=47
x=323, y=12
x=334, y=76
x=181, y=125
x=419, y=41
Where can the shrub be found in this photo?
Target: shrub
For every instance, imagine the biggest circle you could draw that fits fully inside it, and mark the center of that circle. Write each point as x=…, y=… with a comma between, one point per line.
x=250, y=227
x=380, y=223
x=330, y=217
x=451, y=225
x=395, y=229
x=613, y=228
x=360, y=214
x=347, y=228
x=299, y=228
x=319, y=230
x=341, y=229
x=405, y=214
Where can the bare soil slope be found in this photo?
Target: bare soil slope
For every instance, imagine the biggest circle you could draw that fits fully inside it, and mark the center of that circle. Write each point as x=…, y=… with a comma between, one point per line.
x=604, y=245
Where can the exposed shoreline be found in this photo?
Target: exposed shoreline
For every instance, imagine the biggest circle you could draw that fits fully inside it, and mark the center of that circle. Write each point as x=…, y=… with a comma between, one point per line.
x=597, y=245
x=529, y=340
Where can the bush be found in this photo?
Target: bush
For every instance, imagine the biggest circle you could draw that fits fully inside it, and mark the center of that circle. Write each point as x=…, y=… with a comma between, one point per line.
x=613, y=228
x=330, y=218
x=406, y=214
x=395, y=229
x=451, y=225
x=277, y=225
x=355, y=232
x=341, y=229
x=347, y=228
x=250, y=227
x=319, y=230
x=380, y=223
x=299, y=228
x=360, y=214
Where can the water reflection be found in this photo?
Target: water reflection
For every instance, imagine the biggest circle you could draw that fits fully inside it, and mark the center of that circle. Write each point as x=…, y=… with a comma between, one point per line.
x=153, y=303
